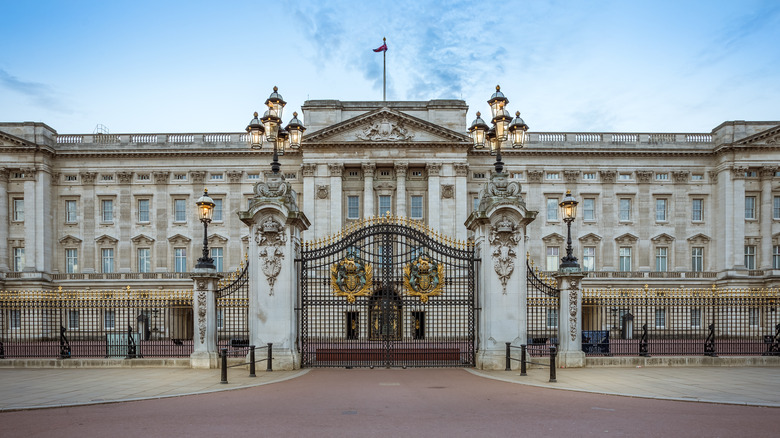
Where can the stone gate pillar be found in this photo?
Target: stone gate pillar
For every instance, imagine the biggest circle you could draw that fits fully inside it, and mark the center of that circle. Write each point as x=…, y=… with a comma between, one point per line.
x=204, y=306
x=570, y=354
x=499, y=226
x=275, y=225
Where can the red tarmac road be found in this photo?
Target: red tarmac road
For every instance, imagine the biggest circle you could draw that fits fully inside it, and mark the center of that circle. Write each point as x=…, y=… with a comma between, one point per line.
x=396, y=403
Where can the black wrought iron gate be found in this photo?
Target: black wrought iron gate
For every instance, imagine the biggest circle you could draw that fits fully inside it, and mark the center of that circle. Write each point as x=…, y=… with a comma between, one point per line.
x=387, y=292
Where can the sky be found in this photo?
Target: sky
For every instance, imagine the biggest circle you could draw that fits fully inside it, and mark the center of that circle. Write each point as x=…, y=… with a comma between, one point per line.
x=567, y=66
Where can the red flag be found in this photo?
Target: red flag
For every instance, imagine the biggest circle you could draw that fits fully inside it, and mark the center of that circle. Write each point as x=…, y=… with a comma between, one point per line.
x=382, y=48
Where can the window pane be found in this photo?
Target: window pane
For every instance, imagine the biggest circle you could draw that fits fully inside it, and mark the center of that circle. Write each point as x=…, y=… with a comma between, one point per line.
x=217, y=215
x=71, y=261
x=15, y=316
x=70, y=211
x=144, y=260
x=108, y=260
x=589, y=258
x=73, y=319
x=698, y=211
x=384, y=205
x=625, y=209
x=776, y=257
x=750, y=257
x=552, y=258
x=697, y=259
x=353, y=207
x=750, y=207
x=216, y=254
x=19, y=261
x=143, y=210
x=589, y=209
x=108, y=210
x=552, y=209
x=110, y=319
x=660, y=209
x=776, y=207
x=416, y=211
x=552, y=318
x=18, y=210
x=660, y=259
x=660, y=318
x=695, y=318
x=625, y=258
x=180, y=210
x=180, y=259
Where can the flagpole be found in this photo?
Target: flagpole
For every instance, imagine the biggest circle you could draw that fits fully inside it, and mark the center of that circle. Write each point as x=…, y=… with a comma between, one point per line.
x=384, y=72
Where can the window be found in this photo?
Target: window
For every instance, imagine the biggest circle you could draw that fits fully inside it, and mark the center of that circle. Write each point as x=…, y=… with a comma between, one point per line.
x=384, y=173
x=625, y=259
x=751, y=174
x=589, y=258
x=143, y=177
x=414, y=173
x=589, y=176
x=660, y=210
x=15, y=318
x=217, y=177
x=553, y=176
x=353, y=207
x=661, y=264
x=71, y=178
x=384, y=205
x=625, y=209
x=552, y=318
x=697, y=177
x=624, y=176
x=750, y=207
x=776, y=257
x=754, y=317
x=143, y=210
x=180, y=259
x=696, y=317
x=73, y=319
x=474, y=203
x=697, y=259
x=589, y=209
x=71, y=215
x=220, y=318
x=662, y=177
x=697, y=209
x=660, y=318
x=479, y=175
x=18, y=259
x=109, y=320
x=180, y=176
x=552, y=209
x=552, y=258
x=216, y=254
x=750, y=257
x=144, y=260
x=107, y=256
x=107, y=210
x=217, y=214
x=107, y=177
x=416, y=210
x=180, y=210
x=252, y=176
x=776, y=207
x=516, y=175
x=71, y=260
x=18, y=205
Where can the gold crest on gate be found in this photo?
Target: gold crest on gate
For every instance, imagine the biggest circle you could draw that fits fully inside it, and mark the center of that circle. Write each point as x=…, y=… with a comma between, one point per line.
x=351, y=277
x=424, y=278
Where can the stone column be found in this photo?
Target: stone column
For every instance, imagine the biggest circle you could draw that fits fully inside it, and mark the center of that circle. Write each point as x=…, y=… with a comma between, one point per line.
x=275, y=225
x=499, y=226
x=461, y=199
x=204, y=307
x=570, y=354
x=400, y=190
x=309, y=171
x=233, y=201
x=738, y=222
x=30, y=219
x=336, y=170
x=766, y=215
x=434, y=195
x=608, y=219
x=4, y=220
x=368, y=190
x=44, y=222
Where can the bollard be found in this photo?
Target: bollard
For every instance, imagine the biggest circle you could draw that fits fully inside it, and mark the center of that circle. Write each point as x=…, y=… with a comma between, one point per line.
x=252, y=361
x=269, y=365
x=224, y=366
x=553, y=351
x=508, y=363
x=522, y=360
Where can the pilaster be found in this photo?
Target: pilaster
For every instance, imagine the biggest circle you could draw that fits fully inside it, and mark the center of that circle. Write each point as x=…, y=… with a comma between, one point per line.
x=738, y=213
x=308, y=172
x=336, y=170
x=368, y=189
x=204, y=307
x=400, y=191
x=434, y=195
x=570, y=354
x=461, y=199
x=766, y=216
x=4, y=220
x=30, y=219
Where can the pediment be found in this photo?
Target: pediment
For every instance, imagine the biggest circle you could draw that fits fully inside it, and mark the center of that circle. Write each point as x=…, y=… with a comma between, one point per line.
x=626, y=238
x=142, y=239
x=384, y=126
x=769, y=137
x=699, y=239
x=179, y=239
x=70, y=240
x=663, y=238
x=105, y=239
x=217, y=238
x=590, y=239
x=553, y=239
x=8, y=140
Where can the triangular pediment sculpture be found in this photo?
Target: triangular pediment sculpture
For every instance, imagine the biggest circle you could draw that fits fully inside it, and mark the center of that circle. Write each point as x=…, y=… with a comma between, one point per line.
x=766, y=138
x=385, y=125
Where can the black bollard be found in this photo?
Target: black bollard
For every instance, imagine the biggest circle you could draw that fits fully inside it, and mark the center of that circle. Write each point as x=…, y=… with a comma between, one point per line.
x=224, y=366
x=522, y=360
x=269, y=366
x=508, y=359
x=553, y=351
x=252, y=361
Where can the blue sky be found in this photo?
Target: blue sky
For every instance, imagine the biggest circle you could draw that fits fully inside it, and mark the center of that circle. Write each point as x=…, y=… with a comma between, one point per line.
x=205, y=66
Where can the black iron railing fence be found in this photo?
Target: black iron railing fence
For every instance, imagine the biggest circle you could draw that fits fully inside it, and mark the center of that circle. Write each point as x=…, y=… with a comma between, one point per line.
x=96, y=323
x=654, y=322
x=232, y=297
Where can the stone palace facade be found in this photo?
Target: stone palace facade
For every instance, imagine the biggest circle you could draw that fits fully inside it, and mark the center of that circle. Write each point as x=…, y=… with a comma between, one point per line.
x=104, y=211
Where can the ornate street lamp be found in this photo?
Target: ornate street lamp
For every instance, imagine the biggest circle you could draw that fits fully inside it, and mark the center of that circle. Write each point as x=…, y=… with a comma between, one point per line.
x=568, y=208
x=205, y=211
x=505, y=128
x=269, y=128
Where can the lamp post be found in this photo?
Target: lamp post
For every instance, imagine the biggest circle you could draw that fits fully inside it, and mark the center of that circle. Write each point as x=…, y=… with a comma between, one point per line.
x=505, y=128
x=268, y=128
x=568, y=207
x=205, y=211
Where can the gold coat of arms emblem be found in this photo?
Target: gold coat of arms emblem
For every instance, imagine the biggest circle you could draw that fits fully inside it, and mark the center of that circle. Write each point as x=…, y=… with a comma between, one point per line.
x=351, y=277
x=424, y=278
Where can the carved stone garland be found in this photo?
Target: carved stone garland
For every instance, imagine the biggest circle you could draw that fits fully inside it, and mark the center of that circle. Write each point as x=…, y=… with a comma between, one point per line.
x=573, y=309
x=270, y=238
x=202, y=310
x=504, y=237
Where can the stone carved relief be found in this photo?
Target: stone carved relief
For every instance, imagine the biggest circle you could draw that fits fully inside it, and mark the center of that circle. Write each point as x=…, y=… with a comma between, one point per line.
x=275, y=186
x=400, y=169
x=234, y=176
x=573, y=309
x=461, y=169
x=323, y=192
x=680, y=176
x=504, y=237
x=714, y=176
x=571, y=176
x=368, y=169
x=124, y=177
x=88, y=177
x=201, y=286
x=197, y=176
x=768, y=172
x=434, y=169
x=335, y=169
x=535, y=175
x=447, y=191
x=738, y=172
x=161, y=177
x=270, y=238
x=308, y=169
x=384, y=130
x=499, y=190
x=608, y=176
x=644, y=176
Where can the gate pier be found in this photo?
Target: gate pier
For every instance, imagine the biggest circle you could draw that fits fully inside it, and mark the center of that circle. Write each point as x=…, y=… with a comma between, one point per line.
x=570, y=354
x=275, y=226
x=204, y=305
